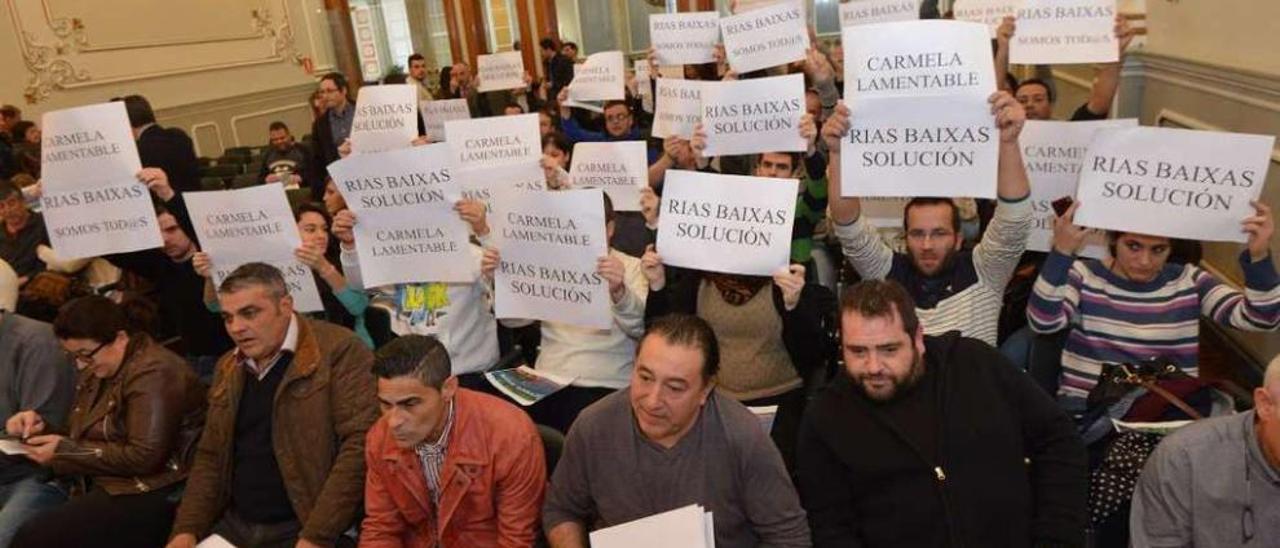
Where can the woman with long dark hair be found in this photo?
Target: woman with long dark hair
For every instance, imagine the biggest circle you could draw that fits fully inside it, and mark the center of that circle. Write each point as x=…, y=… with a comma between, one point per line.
x=137, y=414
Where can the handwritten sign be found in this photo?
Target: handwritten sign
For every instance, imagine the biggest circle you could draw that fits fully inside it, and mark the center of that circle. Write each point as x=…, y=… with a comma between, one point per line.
x=620, y=168
x=1053, y=153
x=679, y=108
x=726, y=223
x=408, y=231
x=601, y=78
x=386, y=118
x=684, y=38
x=249, y=225
x=93, y=202
x=500, y=71
x=436, y=113
x=550, y=243
x=866, y=12
x=752, y=116
x=765, y=37
x=1172, y=182
x=1065, y=31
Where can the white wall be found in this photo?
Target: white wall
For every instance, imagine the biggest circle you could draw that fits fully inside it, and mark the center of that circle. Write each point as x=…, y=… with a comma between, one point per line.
x=1243, y=34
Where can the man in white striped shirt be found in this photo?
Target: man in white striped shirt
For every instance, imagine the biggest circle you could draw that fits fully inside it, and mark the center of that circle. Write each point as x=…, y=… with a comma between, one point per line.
x=954, y=289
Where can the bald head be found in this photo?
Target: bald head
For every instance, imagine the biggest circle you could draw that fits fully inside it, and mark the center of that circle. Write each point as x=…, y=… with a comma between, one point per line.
x=1271, y=382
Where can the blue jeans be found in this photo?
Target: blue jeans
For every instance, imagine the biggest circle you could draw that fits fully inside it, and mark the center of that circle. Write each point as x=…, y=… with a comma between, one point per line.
x=21, y=500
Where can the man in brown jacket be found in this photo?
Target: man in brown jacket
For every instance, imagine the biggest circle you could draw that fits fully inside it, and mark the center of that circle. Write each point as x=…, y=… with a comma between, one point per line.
x=281, y=462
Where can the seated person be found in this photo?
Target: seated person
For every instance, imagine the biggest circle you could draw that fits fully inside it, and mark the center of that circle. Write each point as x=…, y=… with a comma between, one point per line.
x=285, y=162
x=132, y=431
x=24, y=231
x=41, y=380
x=431, y=436
x=281, y=458
x=953, y=288
x=1215, y=482
x=922, y=436
x=619, y=124
x=459, y=315
x=668, y=441
x=598, y=360
x=1139, y=305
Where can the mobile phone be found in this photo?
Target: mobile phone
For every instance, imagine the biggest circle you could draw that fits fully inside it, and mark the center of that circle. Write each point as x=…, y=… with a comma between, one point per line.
x=1061, y=205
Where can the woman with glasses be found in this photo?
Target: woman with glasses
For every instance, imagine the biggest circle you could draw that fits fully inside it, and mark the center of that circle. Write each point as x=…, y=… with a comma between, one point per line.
x=137, y=413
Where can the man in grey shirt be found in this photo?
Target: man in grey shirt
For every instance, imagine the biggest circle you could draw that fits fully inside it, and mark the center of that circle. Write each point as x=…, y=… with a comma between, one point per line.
x=1215, y=482
x=668, y=441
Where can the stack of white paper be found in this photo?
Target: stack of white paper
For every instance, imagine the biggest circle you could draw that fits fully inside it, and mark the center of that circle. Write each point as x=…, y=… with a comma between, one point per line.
x=688, y=527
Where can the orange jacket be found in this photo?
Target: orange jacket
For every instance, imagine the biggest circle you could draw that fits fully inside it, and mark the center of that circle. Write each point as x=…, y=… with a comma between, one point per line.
x=493, y=480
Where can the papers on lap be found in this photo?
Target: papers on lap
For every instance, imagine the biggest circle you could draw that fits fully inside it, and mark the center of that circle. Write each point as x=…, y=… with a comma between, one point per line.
x=687, y=527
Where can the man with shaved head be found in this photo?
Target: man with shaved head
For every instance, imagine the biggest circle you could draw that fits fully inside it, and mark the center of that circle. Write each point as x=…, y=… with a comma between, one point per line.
x=1215, y=482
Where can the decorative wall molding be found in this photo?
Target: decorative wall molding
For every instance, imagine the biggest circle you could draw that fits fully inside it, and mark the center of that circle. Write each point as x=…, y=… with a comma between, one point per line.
x=196, y=139
x=1248, y=87
x=55, y=55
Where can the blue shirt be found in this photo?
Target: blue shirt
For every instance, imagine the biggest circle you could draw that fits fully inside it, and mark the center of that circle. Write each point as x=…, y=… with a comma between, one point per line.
x=340, y=124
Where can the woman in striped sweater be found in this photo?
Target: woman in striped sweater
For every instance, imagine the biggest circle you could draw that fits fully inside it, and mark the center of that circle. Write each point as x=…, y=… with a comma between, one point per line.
x=1135, y=305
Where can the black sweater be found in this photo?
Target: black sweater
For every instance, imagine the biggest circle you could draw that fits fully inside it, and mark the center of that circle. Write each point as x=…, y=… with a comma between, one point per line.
x=1011, y=472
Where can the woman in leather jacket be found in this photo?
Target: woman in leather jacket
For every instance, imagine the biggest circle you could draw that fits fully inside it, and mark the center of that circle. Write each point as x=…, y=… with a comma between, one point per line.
x=137, y=413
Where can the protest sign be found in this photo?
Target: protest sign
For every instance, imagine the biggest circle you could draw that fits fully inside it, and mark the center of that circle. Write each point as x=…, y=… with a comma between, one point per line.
x=744, y=6
x=726, y=223
x=921, y=146
x=550, y=243
x=765, y=37
x=436, y=113
x=408, y=231
x=987, y=12
x=644, y=85
x=248, y=225
x=688, y=527
x=1178, y=183
x=679, y=108
x=386, y=118
x=756, y=115
x=620, y=168
x=1052, y=152
x=499, y=71
x=684, y=38
x=1065, y=31
x=491, y=154
x=93, y=203
x=866, y=12
x=601, y=78
x=890, y=60
x=884, y=212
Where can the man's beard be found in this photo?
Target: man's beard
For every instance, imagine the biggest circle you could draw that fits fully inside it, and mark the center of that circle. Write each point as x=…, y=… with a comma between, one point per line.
x=898, y=387
x=945, y=265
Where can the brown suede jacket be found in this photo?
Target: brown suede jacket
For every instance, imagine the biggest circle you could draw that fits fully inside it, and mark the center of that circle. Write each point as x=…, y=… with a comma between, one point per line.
x=132, y=432
x=323, y=408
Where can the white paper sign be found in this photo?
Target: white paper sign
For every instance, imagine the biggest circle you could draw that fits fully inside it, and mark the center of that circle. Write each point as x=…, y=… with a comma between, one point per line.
x=500, y=71
x=500, y=140
x=687, y=527
x=745, y=6
x=248, y=225
x=408, y=231
x=93, y=203
x=1178, y=183
x=884, y=212
x=891, y=60
x=684, y=38
x=766, y=37
x=485, y=183
x=1065, y=31
x=726, y=223
x=644, y=85
x=550, y=243
x=866, y=12
x=679, y=108
x=386, y=118
x=620, y=168
x=1053, y=152
x=921, y=146
x=987, y=12
x=436, y=113
x=756, y=115
x=602, y=78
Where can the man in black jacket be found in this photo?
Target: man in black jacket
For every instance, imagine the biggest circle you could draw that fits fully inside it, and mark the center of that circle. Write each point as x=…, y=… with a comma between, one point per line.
x=167, y=148
x=558, y=68
x=330, y=128
x=934, y=441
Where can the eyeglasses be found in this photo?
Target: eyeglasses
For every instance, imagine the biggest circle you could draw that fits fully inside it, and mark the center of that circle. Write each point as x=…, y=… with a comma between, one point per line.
x=618, y=117
x=86, y=359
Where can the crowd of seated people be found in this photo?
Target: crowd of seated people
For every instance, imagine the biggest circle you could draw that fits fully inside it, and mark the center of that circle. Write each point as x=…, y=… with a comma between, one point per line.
x=158, y=406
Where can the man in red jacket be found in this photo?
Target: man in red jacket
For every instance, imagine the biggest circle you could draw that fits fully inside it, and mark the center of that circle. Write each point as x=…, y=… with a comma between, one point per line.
x=447, y=466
